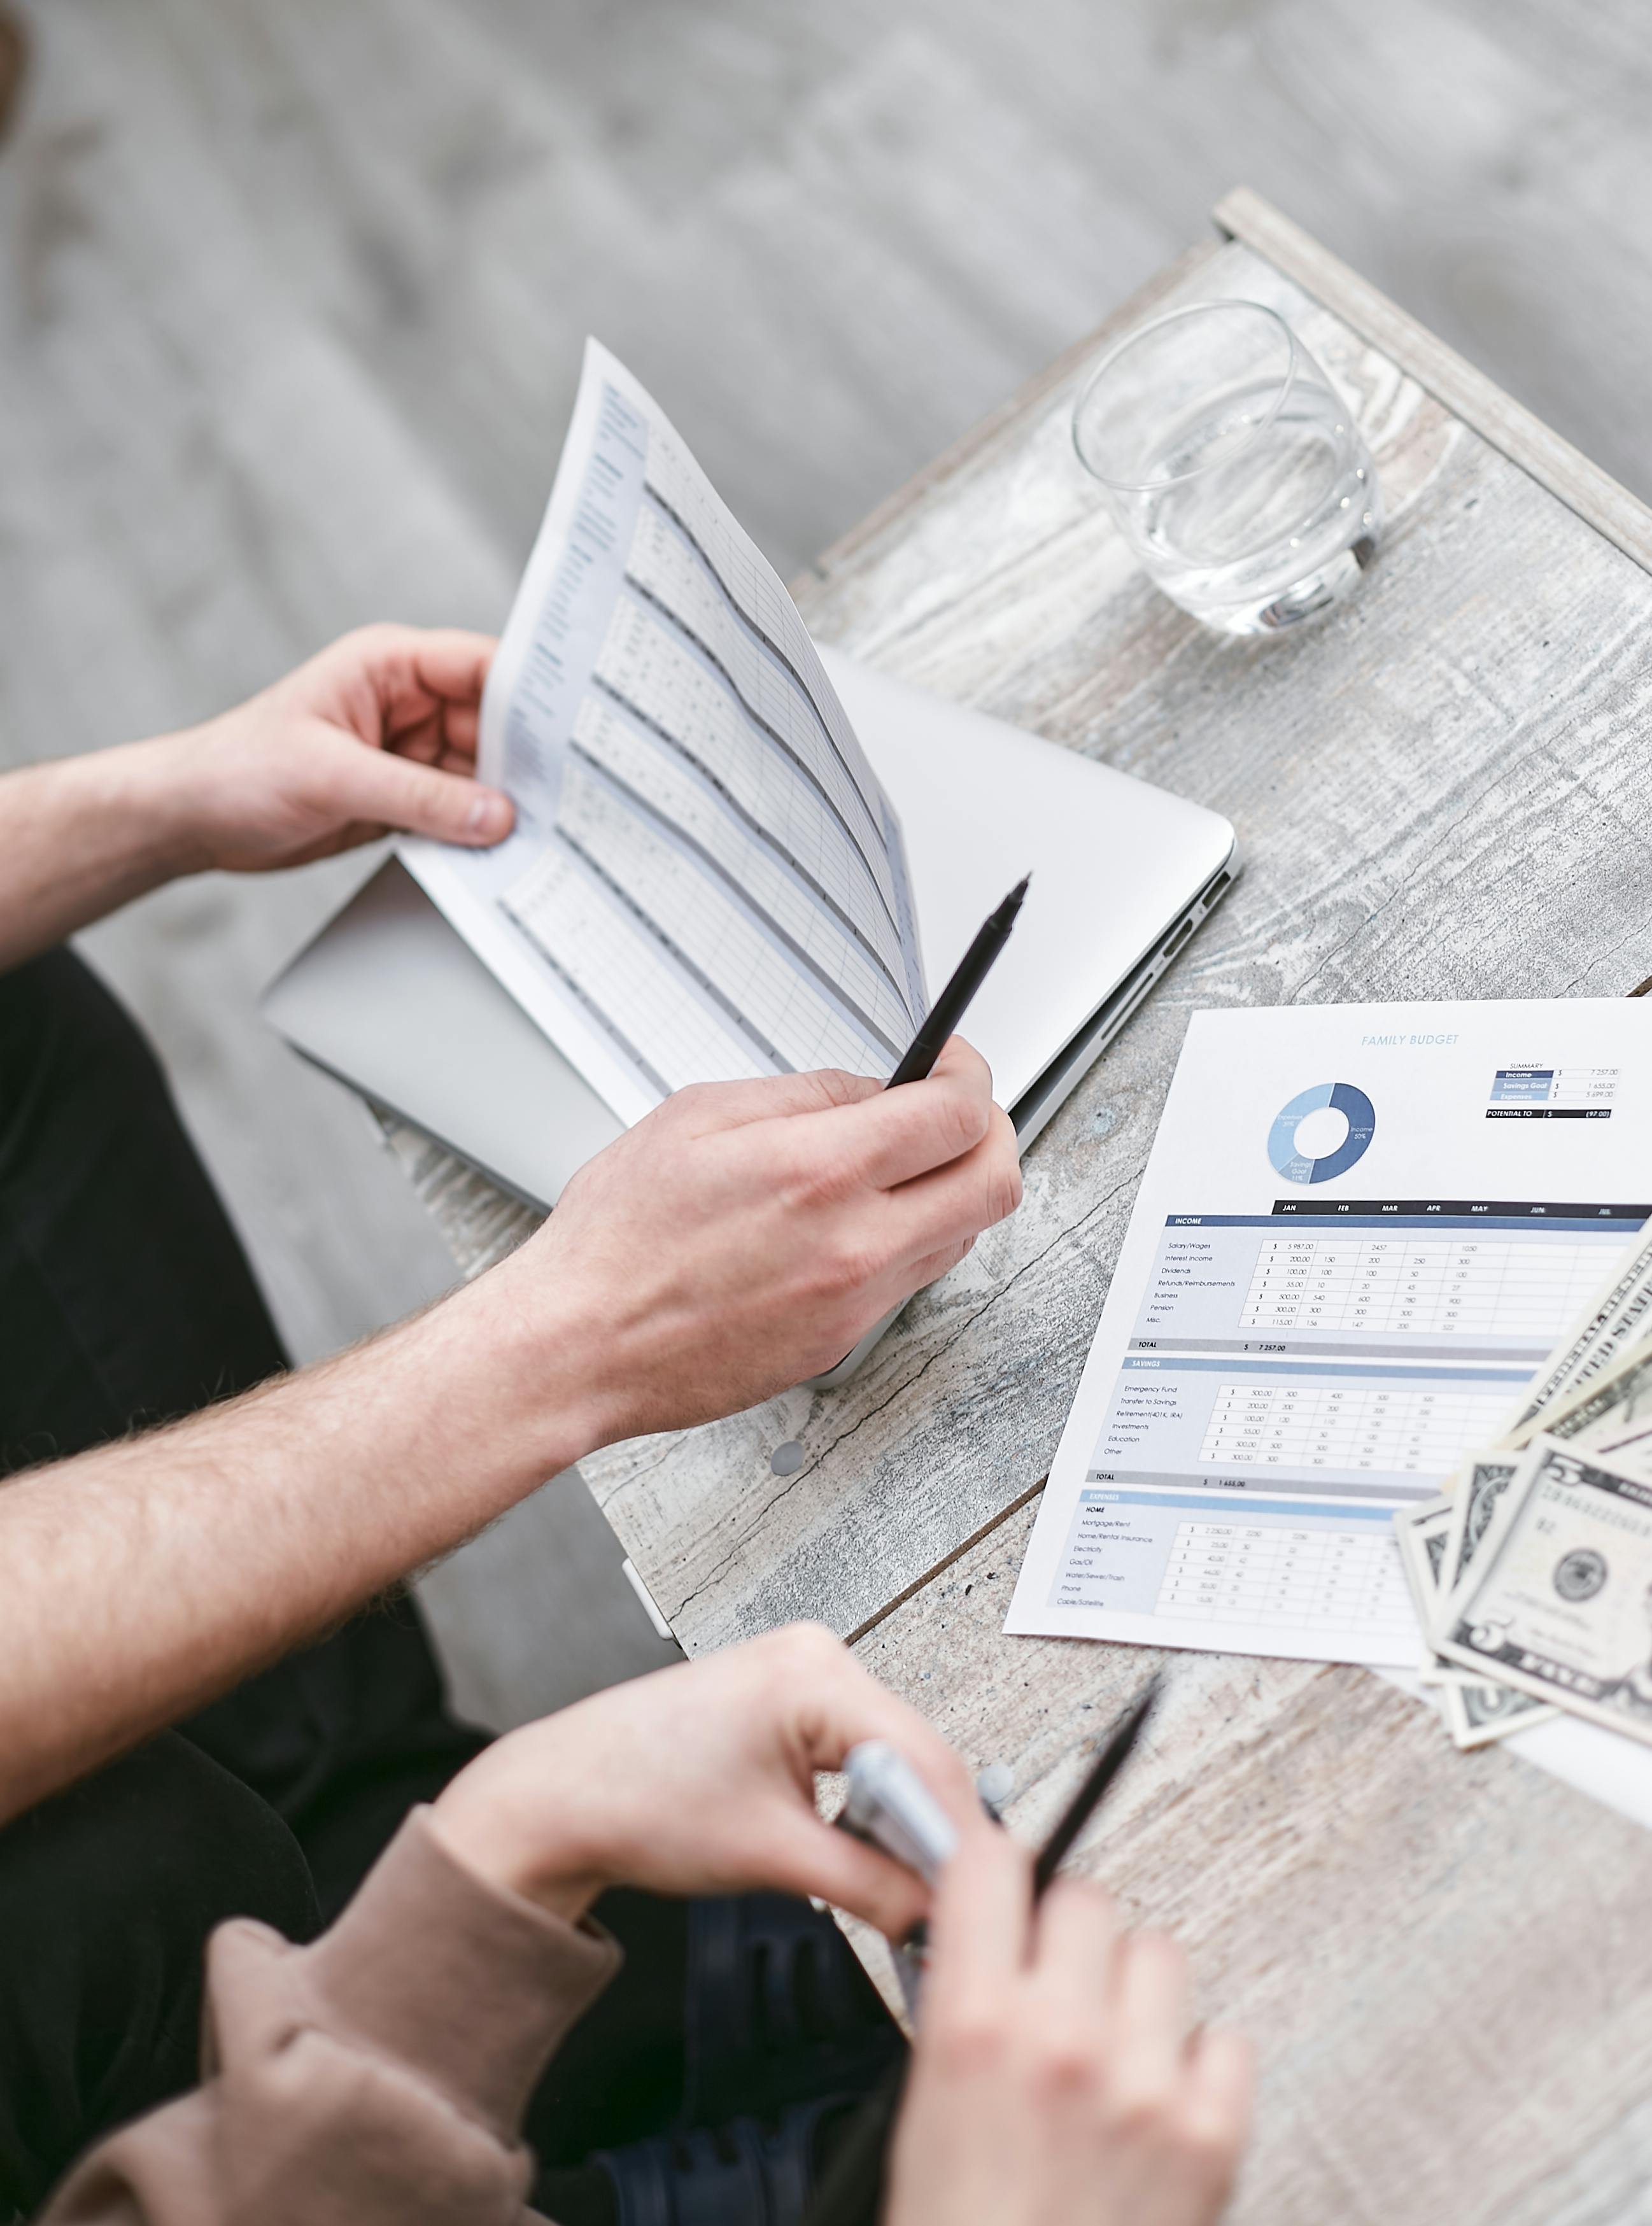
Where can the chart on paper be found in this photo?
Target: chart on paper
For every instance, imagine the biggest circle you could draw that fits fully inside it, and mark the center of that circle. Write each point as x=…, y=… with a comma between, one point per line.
x=1293, y=1346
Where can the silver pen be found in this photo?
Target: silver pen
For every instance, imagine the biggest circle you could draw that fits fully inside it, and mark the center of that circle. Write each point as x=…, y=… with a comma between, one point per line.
x=890, y=1807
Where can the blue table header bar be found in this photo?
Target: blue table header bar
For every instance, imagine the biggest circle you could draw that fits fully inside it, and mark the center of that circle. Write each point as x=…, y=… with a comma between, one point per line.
x=1227, y=1508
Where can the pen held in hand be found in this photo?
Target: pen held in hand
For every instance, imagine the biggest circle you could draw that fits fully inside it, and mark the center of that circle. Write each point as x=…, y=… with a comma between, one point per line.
x=949, y=1008
x=852, y=2185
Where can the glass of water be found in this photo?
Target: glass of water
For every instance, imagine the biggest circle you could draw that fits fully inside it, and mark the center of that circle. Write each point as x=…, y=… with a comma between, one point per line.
x=1236, y=470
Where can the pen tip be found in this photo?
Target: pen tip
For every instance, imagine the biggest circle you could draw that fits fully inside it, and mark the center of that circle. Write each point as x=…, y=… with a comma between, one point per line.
x=1020, y=889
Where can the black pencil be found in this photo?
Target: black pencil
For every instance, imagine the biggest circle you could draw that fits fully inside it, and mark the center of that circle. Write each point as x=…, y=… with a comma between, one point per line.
x=950, y=1006
x=853, y=2183
x=1108, y=1763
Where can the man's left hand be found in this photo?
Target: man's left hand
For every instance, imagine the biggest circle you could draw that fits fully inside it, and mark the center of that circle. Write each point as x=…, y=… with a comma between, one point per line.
x=376, y=735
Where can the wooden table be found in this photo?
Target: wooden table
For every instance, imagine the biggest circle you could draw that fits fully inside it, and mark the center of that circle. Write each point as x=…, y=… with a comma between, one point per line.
x=1444, y=791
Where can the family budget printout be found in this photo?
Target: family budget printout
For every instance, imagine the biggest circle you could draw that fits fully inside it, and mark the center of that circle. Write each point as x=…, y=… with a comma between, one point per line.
x=706, y=879
x=1361, y=1229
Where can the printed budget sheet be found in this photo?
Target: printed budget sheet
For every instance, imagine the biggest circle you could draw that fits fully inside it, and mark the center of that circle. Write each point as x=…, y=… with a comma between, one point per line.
x=1360, y=1232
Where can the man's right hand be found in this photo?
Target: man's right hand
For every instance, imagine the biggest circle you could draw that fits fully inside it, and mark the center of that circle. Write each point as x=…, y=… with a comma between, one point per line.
x=745, y=1234
x=740, y=1239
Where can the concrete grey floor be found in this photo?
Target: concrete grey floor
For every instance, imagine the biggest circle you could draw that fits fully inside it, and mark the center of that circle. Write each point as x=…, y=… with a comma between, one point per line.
x=291, y=297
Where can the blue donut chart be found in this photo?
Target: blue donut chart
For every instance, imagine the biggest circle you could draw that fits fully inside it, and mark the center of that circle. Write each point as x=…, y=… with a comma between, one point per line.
x=1342, y=1098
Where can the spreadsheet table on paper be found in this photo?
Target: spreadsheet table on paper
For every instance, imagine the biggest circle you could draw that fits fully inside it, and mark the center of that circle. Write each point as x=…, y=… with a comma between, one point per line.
x=706, y=881
x=1351, y=1251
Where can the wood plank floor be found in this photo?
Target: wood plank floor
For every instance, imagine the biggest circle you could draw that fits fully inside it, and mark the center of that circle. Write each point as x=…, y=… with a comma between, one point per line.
x=291, y=297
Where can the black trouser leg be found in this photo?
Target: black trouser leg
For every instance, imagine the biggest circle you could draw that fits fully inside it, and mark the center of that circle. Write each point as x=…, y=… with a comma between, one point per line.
x=343, y=1740
x=107, y=1895
x=124, y=1296
x=125, y=1299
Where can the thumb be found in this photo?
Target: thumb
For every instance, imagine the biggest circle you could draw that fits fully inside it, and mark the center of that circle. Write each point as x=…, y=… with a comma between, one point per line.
x=804, y=1856
x=417, y=800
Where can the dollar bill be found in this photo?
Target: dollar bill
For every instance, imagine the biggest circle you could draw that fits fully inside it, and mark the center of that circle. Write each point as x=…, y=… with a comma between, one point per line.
x=1473, y=1505
x=1475, y=1711
x=1421, y=1532
x=1560, y=1604
x=1613, y=1413
x=1617, y=1318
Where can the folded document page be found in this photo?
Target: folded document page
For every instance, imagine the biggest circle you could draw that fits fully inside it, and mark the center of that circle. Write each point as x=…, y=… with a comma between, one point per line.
x=1361, y=1230
x=706, y=879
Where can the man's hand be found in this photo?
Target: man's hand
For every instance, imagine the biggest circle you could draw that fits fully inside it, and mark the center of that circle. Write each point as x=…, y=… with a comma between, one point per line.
x=1055, y=2081
x=700, y=1780
x=740, y=1238
x=377, y=734
x=745, y=1234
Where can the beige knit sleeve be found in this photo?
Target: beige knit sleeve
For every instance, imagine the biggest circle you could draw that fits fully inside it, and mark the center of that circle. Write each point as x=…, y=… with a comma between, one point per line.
x=379, y=2074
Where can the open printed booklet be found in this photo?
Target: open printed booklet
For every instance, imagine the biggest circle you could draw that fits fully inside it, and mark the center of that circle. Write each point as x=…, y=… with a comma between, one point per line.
x=706, y=881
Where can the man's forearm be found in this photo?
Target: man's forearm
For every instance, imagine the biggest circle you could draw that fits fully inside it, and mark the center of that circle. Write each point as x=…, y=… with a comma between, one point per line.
x=737, y=1241
x=139, y=1582
x=81, y=838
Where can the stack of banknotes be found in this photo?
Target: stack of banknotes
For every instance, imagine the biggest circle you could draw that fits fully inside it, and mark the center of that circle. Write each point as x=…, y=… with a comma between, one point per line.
x=1533, y=1573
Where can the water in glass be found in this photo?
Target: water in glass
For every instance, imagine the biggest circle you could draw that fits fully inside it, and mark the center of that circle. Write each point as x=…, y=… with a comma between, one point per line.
x=1274, y=533
x=1233, y=466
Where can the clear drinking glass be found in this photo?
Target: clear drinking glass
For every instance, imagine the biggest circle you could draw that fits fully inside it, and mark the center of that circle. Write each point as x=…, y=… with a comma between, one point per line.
x=1234, y=467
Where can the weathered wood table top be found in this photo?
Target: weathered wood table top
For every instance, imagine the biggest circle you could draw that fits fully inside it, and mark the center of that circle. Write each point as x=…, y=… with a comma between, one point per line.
x=1444, y=790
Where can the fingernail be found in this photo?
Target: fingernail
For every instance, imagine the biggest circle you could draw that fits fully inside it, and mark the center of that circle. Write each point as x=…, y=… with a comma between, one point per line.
x=490, y=816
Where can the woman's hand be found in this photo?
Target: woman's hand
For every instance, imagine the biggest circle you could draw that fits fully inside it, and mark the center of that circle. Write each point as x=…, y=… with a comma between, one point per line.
x=1054, y=2082
x=378, y=733
x=700, y=1780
